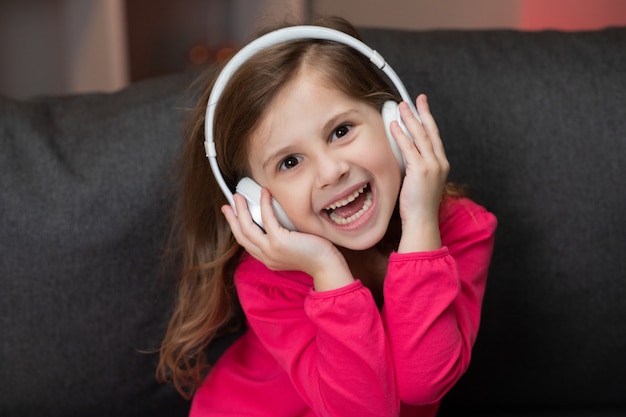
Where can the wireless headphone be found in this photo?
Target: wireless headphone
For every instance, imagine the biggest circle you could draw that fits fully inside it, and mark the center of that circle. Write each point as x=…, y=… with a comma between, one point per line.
x=246, y=186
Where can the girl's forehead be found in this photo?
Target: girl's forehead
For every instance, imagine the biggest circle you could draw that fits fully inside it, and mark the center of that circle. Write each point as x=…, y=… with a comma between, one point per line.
x=307, y=82
x=308, y=93
x=303, y=108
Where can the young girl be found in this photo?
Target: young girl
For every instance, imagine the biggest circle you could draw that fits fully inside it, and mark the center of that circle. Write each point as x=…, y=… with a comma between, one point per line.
x=371, y=306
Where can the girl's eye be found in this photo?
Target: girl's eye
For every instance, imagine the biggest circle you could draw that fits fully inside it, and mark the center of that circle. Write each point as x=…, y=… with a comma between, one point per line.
x=340, y=132
x=289, y=162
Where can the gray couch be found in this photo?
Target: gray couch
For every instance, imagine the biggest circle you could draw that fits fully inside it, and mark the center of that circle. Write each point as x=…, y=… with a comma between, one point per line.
x=535, y=123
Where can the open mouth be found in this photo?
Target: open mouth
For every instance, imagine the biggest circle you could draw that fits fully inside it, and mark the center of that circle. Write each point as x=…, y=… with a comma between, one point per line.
x=349, y=209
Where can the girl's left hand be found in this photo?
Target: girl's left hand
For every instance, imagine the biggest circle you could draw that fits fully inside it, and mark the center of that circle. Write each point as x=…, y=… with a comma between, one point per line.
x=427, y=169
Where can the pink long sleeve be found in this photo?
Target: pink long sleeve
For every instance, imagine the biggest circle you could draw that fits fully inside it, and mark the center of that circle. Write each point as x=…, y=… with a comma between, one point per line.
x=325, y=341
x=333, y=353
x=433, y=303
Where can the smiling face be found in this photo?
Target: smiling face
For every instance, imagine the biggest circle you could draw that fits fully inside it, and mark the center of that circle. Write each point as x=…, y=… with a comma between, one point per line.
x=325, y=158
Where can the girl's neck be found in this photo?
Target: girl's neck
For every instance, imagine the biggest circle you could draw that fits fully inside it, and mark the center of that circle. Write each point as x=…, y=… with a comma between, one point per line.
x=370, y=267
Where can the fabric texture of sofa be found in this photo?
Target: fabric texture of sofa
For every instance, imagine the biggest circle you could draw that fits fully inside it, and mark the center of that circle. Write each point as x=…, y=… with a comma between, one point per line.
x=534, y=123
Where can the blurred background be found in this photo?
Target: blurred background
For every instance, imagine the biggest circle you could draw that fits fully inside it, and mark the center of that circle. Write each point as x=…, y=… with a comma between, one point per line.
x=75, y=46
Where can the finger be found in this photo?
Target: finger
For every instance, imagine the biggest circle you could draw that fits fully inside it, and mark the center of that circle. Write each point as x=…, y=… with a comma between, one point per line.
x=409, y=149
x=233, y=222
x=417, y=130
x=246, y=231
x=239, y=235
x=430, y=125
x=270, y=222
x=248, y=225
x=404, y=142
x=235, y=225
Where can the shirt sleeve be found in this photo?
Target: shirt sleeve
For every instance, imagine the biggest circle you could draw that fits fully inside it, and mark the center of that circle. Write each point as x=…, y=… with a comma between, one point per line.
x=433, y=302
x=332, y=344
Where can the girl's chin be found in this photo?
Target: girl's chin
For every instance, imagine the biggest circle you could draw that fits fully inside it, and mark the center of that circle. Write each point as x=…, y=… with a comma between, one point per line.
x=359, y=243
x=368, y=235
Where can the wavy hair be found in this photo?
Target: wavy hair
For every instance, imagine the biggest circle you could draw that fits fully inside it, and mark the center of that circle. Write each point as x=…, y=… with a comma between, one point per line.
x=208, y=253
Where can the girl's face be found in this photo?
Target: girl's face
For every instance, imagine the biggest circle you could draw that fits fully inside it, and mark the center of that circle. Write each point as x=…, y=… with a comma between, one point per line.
x=325, y=158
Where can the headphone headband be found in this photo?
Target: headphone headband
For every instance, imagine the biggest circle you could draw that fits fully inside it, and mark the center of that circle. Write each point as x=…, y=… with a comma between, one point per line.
x=266, y=41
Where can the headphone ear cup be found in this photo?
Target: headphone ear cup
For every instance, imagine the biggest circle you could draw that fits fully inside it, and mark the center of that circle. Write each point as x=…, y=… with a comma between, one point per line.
x=251, y=191
x=390, y=112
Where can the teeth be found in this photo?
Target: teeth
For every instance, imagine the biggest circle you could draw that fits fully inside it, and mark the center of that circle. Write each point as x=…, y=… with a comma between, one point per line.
x=366, y=205
x=347, y=200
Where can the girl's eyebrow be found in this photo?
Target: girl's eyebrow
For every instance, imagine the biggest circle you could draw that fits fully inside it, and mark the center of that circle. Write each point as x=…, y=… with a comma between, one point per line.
x=278, y=154
x=328, y=126
x=335, y=120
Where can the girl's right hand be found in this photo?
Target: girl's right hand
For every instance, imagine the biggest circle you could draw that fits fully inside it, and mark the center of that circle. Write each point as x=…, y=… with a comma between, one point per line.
x=282, y=249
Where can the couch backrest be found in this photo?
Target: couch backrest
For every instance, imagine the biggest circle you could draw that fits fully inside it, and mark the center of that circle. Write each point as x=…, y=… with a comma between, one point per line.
x=536, y=124
x=84, y=205
x=533, y=122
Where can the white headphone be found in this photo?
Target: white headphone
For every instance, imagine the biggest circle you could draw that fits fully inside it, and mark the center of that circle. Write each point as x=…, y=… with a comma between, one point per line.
x=246, y=186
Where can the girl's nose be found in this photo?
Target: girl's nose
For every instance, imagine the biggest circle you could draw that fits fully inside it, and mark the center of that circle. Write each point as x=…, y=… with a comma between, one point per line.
x=331, y=169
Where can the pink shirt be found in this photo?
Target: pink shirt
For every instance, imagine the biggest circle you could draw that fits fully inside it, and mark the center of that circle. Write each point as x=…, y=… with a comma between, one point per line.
x=333, y=353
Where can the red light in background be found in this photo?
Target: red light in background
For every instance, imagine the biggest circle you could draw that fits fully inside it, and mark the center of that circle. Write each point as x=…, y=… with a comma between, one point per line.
x=571, y=14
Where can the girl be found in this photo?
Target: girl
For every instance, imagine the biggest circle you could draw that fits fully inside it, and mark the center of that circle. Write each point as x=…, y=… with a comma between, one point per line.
x=372, y=306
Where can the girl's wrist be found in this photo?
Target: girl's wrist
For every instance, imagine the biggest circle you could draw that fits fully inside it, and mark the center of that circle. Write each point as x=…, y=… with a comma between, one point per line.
x=333, y=273
x=420, y=235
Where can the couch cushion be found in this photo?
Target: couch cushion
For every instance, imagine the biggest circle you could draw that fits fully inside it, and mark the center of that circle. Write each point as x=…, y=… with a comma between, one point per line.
x=84, y=202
